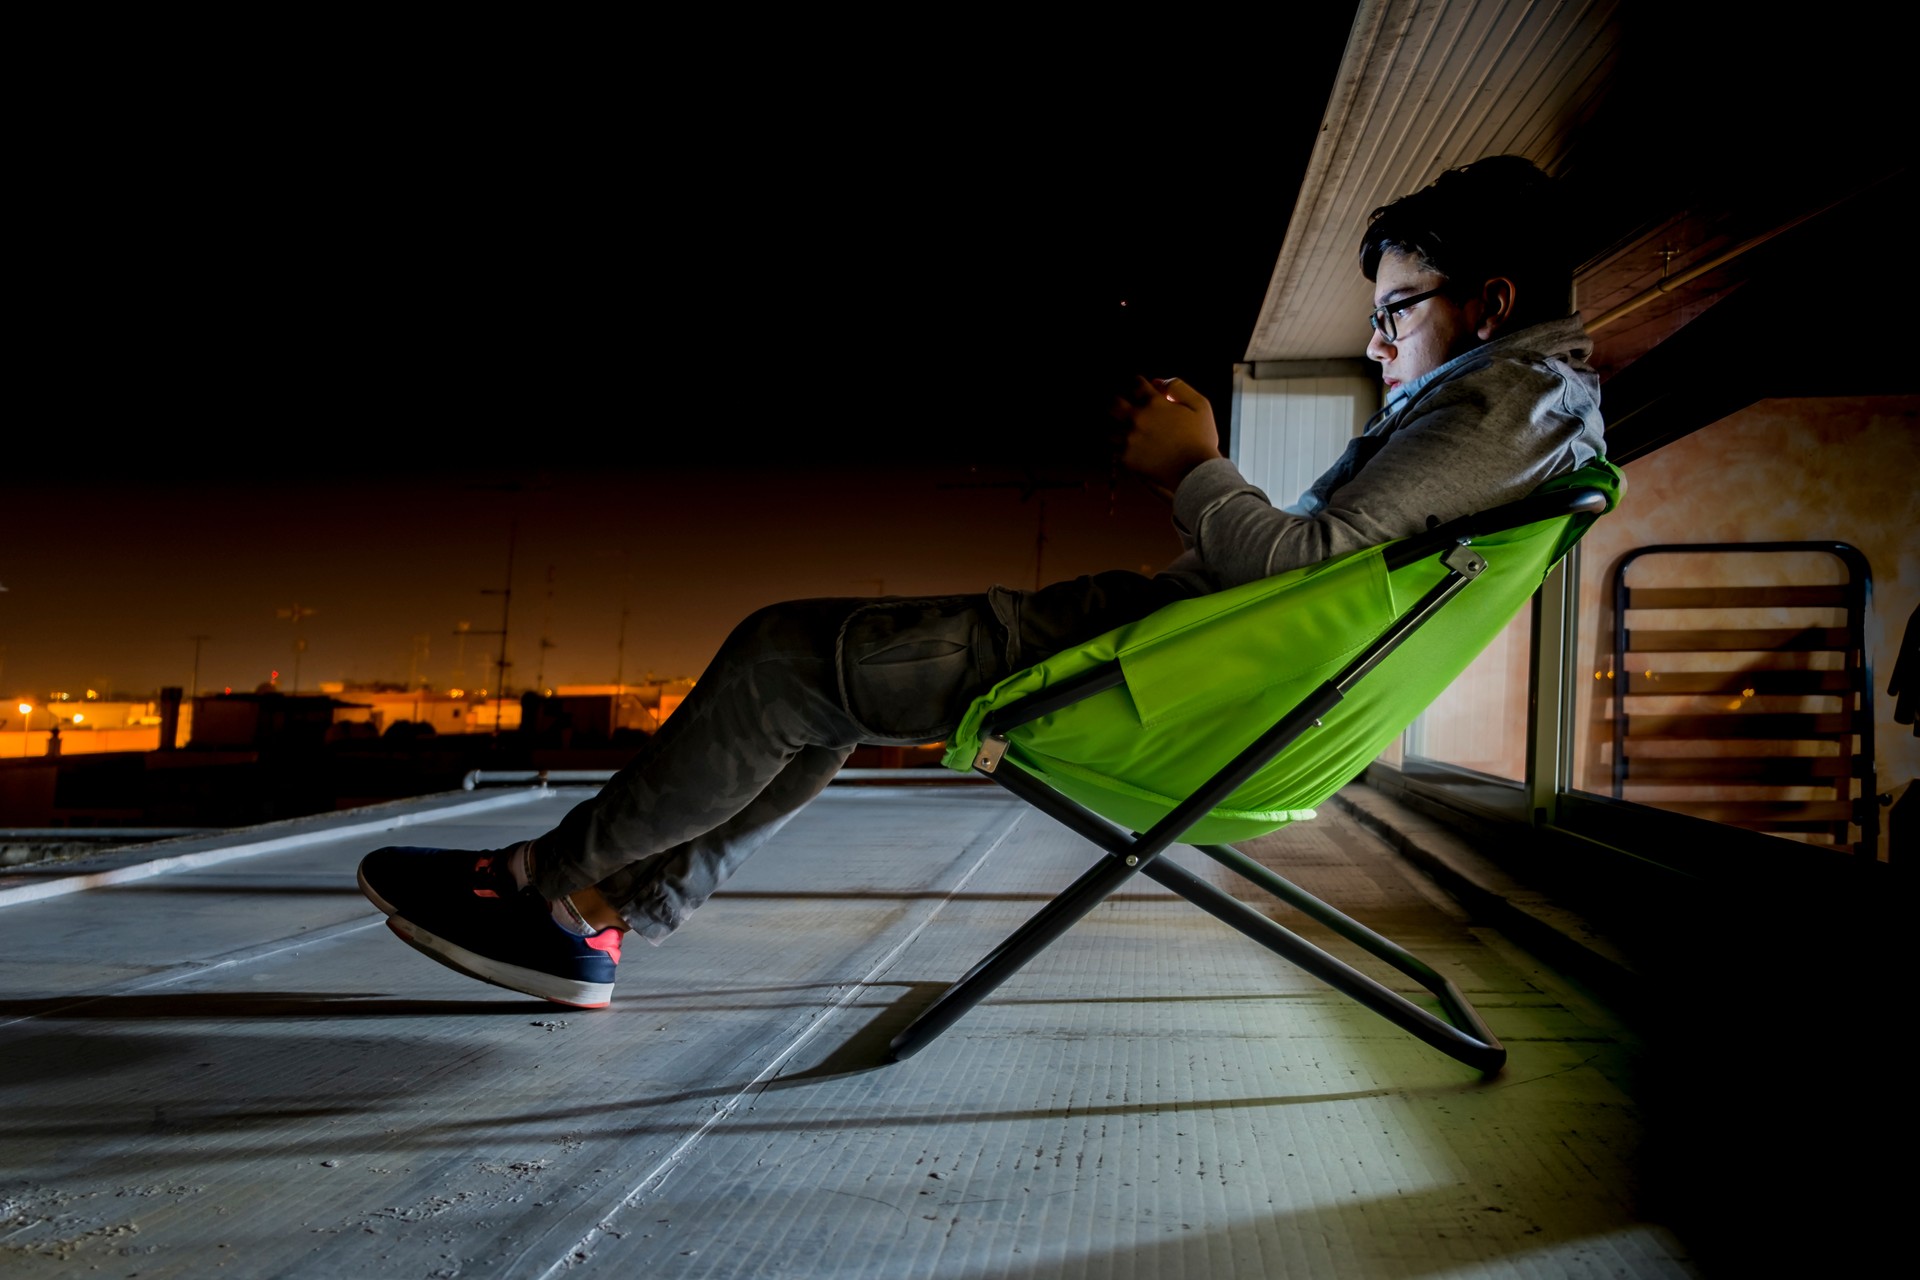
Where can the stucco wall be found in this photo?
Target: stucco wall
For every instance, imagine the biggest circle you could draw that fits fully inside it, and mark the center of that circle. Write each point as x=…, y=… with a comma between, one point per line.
x=1781, y=470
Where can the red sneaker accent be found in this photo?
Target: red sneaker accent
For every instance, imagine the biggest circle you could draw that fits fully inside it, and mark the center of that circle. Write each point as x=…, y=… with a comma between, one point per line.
x=482, y=872
x=608, y=941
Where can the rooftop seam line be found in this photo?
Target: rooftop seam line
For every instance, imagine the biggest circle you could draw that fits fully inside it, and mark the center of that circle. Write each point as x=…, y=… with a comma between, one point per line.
x=36, y=892
x=655, y=1177
x=195, y=968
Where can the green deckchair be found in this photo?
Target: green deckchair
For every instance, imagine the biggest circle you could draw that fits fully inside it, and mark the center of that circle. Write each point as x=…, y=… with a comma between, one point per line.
x=1182, y=727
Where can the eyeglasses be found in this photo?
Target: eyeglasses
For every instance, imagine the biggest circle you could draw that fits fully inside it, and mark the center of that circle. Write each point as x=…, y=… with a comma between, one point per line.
x=1385, y=319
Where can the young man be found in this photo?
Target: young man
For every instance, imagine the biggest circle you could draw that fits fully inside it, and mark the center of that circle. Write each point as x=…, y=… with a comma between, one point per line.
x=1488, y=393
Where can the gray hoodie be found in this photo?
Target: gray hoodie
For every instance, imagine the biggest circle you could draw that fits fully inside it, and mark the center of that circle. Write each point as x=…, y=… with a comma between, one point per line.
x=1484, y=428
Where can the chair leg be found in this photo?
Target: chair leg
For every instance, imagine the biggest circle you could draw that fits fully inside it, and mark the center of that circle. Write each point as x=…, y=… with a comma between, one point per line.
x=1125, y=855
x=1060, y=914
x=1467, y=1039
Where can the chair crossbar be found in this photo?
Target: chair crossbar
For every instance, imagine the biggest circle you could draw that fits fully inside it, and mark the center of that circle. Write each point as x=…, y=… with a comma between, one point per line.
x=1464, y=1035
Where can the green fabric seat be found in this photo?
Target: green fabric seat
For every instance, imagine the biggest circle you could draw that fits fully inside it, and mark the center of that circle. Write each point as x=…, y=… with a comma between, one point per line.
x=1205, y=677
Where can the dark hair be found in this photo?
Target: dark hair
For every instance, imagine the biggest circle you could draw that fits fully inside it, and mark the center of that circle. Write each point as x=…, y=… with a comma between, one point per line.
x=1501, y=216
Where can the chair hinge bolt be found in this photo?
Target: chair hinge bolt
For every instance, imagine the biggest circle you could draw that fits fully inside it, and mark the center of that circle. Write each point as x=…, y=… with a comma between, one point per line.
x=988, y=758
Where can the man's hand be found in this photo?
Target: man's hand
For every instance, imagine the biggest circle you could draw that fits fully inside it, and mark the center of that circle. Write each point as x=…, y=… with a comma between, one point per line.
x=1170, y=431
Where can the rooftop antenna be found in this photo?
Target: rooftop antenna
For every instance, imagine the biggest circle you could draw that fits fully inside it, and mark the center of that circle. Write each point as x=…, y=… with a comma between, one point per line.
x=546, y=639
x=197, y=642
x=506, y=598
x=298, y=613
x=506, y=605
x=1030, y=487
x=620, y=645
x=422, y=653
x=461, y=630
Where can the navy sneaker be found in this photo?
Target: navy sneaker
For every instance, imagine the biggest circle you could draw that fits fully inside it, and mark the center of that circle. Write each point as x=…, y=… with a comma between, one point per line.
x=460, y=906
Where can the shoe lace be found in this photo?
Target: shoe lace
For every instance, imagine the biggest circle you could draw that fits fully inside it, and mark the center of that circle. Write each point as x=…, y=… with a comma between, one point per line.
x=490, y=877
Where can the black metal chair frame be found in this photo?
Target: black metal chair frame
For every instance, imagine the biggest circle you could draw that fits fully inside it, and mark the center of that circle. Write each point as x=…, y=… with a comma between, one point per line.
x=1462, y=1034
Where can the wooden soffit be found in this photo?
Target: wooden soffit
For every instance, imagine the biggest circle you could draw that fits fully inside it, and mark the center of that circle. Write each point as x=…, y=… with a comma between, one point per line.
x=1425, y=85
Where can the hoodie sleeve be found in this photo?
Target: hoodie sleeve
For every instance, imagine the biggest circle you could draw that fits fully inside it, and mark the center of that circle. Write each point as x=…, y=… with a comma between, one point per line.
x=1461, y=445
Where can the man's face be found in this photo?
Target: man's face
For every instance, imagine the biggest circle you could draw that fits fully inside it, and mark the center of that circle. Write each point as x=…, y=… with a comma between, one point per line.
x=1428, y=333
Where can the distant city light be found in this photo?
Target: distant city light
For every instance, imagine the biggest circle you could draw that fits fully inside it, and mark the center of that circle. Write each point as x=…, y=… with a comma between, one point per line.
x=78, y=718
x=26, y=708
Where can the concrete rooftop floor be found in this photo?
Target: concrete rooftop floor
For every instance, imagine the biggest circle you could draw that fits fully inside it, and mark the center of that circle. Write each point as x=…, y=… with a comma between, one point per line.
x=230, y=1067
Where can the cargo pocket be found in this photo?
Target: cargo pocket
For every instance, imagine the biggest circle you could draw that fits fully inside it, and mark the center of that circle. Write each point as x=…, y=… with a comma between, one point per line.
x=910, y=668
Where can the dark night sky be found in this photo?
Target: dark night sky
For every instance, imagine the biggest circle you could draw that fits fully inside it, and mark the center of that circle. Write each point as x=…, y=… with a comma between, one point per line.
x=692, y=353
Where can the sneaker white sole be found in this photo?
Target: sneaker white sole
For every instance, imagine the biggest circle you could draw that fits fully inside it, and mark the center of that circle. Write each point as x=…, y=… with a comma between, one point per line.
x=532, y=982
x=374, y=898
